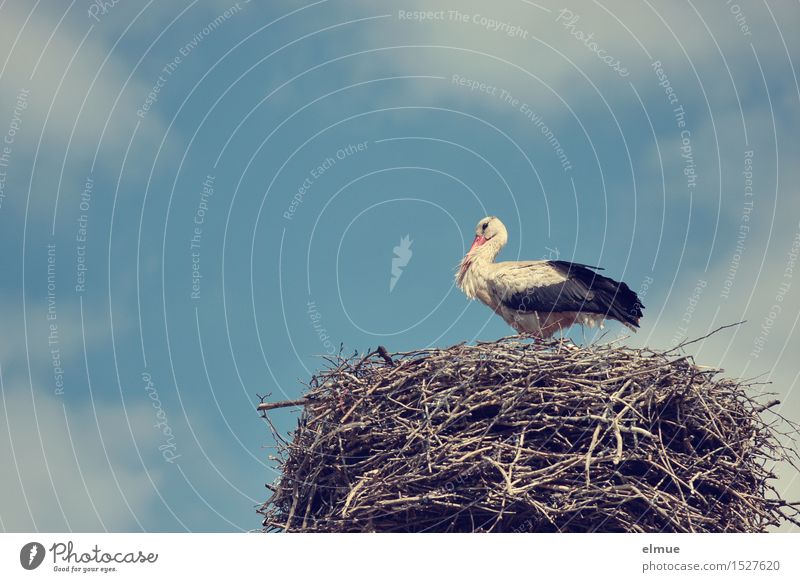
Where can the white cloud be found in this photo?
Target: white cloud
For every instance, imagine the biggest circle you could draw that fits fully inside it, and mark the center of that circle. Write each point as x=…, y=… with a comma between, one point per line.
x=73, y=82
x=66, y=470
x=72, y=333
x=551, y=51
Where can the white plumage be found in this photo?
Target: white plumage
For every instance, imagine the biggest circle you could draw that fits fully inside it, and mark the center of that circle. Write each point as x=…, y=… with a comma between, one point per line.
x=541, y=297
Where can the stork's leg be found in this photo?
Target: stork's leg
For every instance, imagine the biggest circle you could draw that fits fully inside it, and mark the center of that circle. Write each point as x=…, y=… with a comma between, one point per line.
x=535, y=337
x=523, y=333
x=526, y=323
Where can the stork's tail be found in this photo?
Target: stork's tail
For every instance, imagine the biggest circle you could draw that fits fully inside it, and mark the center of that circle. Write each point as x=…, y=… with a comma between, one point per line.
x=614, y=299
x=620, y=301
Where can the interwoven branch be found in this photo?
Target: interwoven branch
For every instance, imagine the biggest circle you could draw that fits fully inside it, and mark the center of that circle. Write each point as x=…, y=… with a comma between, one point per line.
x=518, y=436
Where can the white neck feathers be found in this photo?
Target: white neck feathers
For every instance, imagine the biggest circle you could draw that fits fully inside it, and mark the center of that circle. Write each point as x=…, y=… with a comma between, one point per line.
x=475, y=266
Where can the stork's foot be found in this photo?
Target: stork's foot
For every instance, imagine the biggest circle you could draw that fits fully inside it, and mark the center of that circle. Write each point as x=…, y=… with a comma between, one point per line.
x=536, y=339
x=568, y=345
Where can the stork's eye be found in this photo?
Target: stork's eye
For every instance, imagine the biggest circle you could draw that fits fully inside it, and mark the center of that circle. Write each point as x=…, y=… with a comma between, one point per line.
x=485, y=225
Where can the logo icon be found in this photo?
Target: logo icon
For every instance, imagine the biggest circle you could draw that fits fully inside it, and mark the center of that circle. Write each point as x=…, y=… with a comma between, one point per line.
x=31, y=555
x=402, y=255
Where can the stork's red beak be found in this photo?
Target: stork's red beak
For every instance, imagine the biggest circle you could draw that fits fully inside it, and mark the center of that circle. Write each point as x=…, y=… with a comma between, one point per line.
x=479, y=240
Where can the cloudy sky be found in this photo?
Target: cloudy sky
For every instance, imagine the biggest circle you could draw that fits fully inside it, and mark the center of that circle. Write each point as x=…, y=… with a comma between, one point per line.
x=197, y=199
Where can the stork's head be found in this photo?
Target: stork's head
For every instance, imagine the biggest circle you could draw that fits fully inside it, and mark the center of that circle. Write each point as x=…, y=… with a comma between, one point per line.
x=490, y=236
x=490, y=228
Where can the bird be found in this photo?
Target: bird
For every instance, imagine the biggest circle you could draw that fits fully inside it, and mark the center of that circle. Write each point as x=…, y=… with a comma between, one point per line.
x=540, y=298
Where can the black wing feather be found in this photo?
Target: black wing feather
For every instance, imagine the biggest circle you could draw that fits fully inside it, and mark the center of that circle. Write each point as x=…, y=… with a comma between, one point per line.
x=584, y=291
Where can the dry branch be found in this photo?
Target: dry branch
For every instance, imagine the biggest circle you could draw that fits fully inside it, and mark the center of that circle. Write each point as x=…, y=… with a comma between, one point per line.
x=517, y=436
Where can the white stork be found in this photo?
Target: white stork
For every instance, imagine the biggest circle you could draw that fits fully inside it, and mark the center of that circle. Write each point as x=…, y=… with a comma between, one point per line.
x=541, y=297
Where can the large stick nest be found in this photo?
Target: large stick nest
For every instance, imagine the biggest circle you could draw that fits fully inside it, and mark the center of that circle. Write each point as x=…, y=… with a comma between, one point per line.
x=518, y=436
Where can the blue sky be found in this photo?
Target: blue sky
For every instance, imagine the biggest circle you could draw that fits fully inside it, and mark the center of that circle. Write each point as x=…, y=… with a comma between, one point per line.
x=251, y=169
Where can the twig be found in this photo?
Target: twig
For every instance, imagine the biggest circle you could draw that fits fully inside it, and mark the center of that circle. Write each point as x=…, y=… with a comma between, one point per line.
x=518, y=436
x=282, y=404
